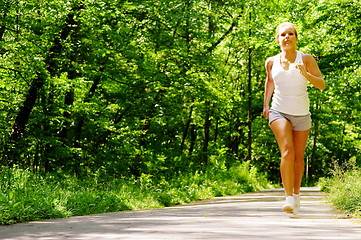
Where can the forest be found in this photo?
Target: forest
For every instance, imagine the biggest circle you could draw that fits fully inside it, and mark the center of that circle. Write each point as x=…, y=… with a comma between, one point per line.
x=166, y=87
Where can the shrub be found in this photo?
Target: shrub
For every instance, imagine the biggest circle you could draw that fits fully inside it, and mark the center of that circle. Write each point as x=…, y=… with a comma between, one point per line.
x=25, y=196
x=344, y=189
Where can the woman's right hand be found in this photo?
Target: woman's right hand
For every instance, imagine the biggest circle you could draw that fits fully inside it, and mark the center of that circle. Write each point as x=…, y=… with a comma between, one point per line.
x=266, y=112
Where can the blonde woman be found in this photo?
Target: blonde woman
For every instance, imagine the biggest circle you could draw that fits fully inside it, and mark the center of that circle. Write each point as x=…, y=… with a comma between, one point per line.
x=288, y=74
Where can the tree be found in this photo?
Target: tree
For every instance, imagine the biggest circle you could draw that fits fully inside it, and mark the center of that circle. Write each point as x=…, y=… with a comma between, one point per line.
x=163, y=87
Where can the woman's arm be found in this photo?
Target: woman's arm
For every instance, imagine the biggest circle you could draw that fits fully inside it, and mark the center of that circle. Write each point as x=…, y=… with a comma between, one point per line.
x=309, y=69
x=269, y=87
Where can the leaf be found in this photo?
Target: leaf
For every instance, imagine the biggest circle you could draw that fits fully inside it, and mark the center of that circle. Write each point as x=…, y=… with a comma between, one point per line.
x=16, y=204
x=11, y=195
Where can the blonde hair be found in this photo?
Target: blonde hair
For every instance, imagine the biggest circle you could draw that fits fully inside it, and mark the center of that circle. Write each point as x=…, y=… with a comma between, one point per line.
x=285, y=24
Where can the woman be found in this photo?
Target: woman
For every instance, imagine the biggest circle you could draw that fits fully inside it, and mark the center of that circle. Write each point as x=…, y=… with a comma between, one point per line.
x=288, y=74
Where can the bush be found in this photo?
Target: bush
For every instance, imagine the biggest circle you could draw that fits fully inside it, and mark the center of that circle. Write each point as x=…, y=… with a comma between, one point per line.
x=25, y=196
x=344, y=189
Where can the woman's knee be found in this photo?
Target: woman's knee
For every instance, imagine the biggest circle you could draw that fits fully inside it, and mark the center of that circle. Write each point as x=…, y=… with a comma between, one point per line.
x=288, y=154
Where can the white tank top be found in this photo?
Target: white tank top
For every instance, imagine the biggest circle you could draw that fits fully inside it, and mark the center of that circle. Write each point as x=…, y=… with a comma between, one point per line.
x=290, y=95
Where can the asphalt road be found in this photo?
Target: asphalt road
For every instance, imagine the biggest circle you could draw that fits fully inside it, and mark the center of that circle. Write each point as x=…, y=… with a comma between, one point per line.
x=248, y=216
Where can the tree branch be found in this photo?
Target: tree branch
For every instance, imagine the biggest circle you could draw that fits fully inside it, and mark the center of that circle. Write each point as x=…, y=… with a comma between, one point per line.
x=230, y=29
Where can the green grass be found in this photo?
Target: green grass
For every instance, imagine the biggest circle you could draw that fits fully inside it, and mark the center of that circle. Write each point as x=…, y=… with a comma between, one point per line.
x=344, y=189
x=25, y=196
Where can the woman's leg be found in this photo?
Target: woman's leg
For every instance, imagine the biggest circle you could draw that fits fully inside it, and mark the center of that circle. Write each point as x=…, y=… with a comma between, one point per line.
x=299, y=142
x=283, y=132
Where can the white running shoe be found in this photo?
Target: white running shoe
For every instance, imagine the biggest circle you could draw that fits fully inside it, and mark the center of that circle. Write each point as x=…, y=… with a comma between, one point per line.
x=297, y=204
x=289, y=205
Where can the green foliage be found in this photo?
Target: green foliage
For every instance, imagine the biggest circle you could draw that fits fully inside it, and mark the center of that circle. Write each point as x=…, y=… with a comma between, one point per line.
x=25, y=196
x=344, y=189
x=133, y=88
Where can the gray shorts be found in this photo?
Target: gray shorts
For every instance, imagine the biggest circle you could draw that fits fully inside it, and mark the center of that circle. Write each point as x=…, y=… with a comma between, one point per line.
x=299, y=123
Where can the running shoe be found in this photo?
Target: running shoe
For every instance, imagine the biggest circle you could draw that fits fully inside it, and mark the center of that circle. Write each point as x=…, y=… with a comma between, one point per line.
x=297, y=204
x=289, y=205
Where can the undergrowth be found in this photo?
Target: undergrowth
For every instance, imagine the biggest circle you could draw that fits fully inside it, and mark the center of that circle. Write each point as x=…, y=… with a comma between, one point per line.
x=344, y=189
x=25, y=196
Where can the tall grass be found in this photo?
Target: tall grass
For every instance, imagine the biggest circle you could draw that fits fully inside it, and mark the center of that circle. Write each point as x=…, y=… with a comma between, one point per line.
x=25, y=196
x=344, y=189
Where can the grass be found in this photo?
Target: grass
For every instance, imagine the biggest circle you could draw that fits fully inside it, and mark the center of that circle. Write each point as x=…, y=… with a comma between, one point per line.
x=25, y=196
x=344, y=189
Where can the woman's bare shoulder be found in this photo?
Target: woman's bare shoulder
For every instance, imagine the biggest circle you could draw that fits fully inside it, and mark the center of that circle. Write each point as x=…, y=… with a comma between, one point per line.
x=307, y=57
x=269, y=62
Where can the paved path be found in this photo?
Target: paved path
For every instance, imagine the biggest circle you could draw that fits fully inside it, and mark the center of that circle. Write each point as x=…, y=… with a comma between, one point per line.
x=248, y=216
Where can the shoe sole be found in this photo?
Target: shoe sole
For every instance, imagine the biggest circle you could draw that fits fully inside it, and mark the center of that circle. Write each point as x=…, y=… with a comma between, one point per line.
x=287, y=209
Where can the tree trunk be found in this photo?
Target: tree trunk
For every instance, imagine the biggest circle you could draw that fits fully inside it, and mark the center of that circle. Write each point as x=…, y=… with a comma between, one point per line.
x=216, y=130
x=24, y=113
x=185, y=133
x=249, y=144
x=193, y=133
x=2, y=29
x=311, y=169
x=207, y=125
x=65, y=133
x=22, y=117
x=80, y=121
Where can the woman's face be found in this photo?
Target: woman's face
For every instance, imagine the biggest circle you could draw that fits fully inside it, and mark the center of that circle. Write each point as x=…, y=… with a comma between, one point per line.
x=287, y=37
